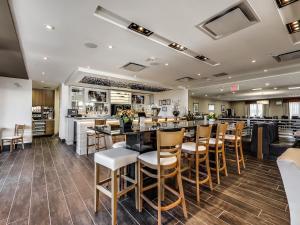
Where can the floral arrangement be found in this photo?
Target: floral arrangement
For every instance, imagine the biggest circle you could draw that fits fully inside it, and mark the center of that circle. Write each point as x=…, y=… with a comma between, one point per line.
x=176, y=111
x=127, y=115
x=211, y=116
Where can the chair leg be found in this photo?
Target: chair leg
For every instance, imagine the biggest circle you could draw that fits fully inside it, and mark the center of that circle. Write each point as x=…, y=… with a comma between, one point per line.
x=159, y=197
x=87, y=145
x=162, y=184
x=96, y=194
x=136, y=189
x=22, y=143
x=197, y=177
x=224, y=160
x=242, y=155
x=237, y=158
x=114, y=199
x=217, y=166
x=11, y=145
x=181, y=192
x=140, y=186
x=208, y=172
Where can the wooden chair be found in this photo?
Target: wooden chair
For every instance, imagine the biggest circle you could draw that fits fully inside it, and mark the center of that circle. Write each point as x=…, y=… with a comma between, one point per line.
x=166, y=162
x=197, y=152
x=235, y=142
x=216, y=146
x=114, y=160
x=18, y=137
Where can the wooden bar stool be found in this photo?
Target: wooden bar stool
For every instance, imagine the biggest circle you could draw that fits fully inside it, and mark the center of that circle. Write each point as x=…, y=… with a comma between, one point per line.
x=197, y=152
x=166, y=162
x=235, y=142
x=96, y=137
x=17, y=138
x=216, y=146
x=114, y=160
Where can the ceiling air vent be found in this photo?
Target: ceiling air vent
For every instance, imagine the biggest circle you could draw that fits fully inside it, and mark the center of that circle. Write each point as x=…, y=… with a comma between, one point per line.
x=287, y=56
x=133, y=67
x=185, y=79
x=229, y=21
x=220, y=74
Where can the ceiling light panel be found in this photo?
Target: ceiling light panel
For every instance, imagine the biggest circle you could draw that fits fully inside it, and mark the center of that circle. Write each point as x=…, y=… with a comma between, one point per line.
x=139, y=29
x=293, y=27
x=282, y=3
x=123, y=23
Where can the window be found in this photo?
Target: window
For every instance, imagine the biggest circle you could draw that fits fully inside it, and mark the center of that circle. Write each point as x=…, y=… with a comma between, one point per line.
x=294, y=108
x=256, y=110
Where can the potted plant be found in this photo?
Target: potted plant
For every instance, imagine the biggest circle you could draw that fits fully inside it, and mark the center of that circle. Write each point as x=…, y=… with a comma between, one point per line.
x=211, y=117
x=126, y=118
x=176, y=111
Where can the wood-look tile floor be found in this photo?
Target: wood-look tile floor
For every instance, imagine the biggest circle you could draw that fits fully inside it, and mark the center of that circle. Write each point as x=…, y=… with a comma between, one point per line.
x=50, y=184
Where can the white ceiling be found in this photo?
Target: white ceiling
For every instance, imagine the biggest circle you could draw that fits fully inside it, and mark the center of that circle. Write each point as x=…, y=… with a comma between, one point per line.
x=75, y=24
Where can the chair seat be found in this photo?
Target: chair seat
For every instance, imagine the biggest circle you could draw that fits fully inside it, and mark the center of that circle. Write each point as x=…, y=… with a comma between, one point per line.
x=191, y=147
x=11, y=138
x=116, y=158
x=121, y=144
x=212, y=141
x=189, y=134
x=151, y=158
x=231, y=137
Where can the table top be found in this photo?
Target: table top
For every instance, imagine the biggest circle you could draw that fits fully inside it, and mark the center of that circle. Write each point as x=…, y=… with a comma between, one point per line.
x=111, y=130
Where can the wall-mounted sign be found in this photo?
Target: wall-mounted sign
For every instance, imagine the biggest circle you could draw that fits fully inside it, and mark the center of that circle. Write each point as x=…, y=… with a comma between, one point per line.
x=234, y=87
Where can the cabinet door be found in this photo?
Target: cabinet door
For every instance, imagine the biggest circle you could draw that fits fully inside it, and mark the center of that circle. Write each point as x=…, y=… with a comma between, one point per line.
x=49, y=98
x=50, y=127
x=37, y=97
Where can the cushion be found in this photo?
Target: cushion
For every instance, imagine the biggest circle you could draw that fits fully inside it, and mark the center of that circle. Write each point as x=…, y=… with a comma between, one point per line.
x=116, y=158
x=212, y=141
x=151, y=158
x=191, y=147
x=231, y=137
x=121, y=144
x=10, y=138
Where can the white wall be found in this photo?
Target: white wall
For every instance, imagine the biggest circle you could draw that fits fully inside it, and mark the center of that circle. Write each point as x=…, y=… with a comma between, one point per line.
x=15, y=106
x=63, y=109
x=175, y=95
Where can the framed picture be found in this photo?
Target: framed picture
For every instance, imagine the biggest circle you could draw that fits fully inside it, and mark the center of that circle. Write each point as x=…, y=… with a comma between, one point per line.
x=159, y=102
x=222, y=108
x=137, y=99
x=168, y=102
x=97, y=96
x=196, y=107
x=163, y=102
x=211, y=107
x=164, y=108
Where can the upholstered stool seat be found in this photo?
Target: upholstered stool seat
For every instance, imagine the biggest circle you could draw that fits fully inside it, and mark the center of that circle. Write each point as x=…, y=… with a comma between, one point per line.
x=231, y=137
x=212, y=141
x=151, y=158
x=121, y=144
x=116, y=158
x=191, y=147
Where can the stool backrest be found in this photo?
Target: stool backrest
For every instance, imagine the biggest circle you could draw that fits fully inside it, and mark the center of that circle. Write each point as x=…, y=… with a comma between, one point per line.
x=169, y=144
x=99, y=122
x=19, y=130
x=203, y=136
x=221, y=132
x=239, y=127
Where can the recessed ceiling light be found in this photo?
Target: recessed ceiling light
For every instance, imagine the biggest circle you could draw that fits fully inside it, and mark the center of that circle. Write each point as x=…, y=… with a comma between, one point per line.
x=139, y=29
x=134, y=76
x=293, y=88
x=199, y=74
x=42, y=81
x=45, y=58
x=49, y=27
x=267, y=84
x=192, y=93
x=265, y=70
x=177, y=46
x=229, y=77
x=293, y=27
x=166, y=64
x=222, y=89
x=43, y=73
x=217, y=64
x=275, y=88
x=253, y=61
x=110, y=46
x=205, y=95
x=233, y=92
x=256, y=89
x=208, y=79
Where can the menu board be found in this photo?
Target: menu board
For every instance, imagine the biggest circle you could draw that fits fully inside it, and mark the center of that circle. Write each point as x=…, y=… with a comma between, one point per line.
x=97, y=96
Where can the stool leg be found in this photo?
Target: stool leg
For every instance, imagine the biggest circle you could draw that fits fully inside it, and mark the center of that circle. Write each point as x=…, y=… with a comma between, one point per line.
x=114, y=199
x=208, y=172
x=136, y=189
x=237, y=158
x=96, y=200
x=217, y=166
x=87, y=144
x=159, y=196
x=181, y=192
x=242, y=154
x=224, y=160
x=140, y=186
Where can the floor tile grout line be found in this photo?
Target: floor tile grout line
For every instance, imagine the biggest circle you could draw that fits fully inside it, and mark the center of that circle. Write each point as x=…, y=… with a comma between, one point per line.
x=12, y=203
x=59, y=181
x=46, y=183
x=33, y=168
x=79, y=192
